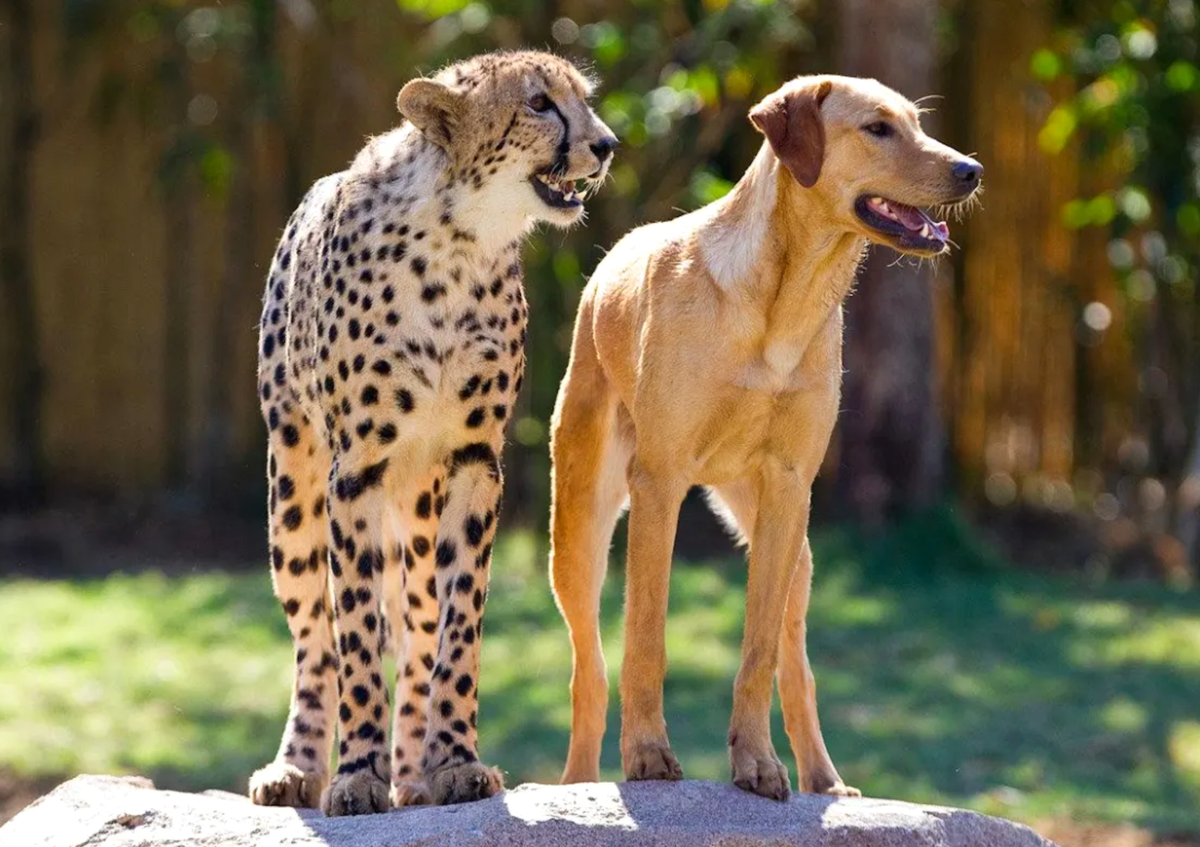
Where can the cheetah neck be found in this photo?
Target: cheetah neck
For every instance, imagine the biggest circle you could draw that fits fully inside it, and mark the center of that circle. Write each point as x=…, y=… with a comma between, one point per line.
x=437, y=196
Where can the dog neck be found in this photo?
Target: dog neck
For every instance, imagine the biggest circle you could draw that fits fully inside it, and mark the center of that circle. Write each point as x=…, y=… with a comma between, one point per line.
x=772, y=243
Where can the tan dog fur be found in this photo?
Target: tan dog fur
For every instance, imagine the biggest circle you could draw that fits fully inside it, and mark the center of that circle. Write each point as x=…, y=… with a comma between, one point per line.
x=707, y=351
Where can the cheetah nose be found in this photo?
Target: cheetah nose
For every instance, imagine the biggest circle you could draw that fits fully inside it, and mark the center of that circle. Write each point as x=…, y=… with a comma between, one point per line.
x=605, y=147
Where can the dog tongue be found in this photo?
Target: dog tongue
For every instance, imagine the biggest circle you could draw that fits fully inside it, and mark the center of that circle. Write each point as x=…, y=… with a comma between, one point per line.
x=912, y=218
x=915, y=219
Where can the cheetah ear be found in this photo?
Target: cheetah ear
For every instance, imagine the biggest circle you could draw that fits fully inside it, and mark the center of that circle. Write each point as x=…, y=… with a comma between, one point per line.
x=433, y=108
x=791, y=121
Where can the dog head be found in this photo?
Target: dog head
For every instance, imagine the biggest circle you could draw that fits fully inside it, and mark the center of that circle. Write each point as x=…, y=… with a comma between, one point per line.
x=858, y=147
x=519, y=131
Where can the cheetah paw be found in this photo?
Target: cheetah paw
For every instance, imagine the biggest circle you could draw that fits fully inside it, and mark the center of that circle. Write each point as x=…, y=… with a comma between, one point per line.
x=410, y=794
x=359, y=793
x=464, y=783
x=281, y=784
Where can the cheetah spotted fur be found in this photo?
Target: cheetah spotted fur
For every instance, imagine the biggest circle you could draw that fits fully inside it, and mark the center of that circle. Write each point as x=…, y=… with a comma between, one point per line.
x=392, y=348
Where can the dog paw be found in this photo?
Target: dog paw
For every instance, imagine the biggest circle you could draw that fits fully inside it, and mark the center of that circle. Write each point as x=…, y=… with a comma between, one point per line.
x=464, y=783
x=358, y=793
x=652, y=760
x=281, y=784
x=833, y=788
x=410, y=794
x=759, y=772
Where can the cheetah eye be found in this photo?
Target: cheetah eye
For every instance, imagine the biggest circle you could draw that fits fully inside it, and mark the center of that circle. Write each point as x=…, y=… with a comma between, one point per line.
x=879, y=129
x=540, y=103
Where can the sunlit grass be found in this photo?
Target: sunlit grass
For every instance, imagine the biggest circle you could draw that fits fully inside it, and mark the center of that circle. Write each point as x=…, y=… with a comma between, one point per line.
x=942, y=678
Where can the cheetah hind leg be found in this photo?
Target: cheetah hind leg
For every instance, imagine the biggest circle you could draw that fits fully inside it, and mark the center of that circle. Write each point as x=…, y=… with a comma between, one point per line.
x=462, y=559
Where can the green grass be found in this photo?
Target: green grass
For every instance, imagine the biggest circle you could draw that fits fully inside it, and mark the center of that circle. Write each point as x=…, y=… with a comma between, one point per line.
x=942, y=678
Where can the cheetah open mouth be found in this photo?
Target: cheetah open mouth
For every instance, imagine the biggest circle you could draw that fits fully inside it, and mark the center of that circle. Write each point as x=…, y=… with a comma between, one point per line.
x=558, y=192
x=908, y=228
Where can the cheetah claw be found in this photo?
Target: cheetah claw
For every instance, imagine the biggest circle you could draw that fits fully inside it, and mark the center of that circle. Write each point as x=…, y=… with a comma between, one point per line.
x=281, y=784
x=360, y=793
x=410, y=794
x=464, y=783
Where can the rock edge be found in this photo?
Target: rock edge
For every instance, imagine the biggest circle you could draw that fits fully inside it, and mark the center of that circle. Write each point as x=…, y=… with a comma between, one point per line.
x=103, y=811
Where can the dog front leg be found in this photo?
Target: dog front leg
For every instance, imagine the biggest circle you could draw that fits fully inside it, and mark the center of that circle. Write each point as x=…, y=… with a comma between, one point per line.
x=778, y=537
x=798, y=692
x=655, y=499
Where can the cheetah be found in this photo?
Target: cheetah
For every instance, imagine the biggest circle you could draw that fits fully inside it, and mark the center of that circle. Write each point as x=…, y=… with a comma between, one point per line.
x=392, y=348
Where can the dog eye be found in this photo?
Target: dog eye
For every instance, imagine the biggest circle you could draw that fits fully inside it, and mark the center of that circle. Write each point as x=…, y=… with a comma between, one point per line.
x=540, y=103
x=880, y=129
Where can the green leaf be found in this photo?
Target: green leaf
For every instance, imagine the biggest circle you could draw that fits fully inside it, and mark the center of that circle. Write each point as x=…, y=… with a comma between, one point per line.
x=1182, y=76
x=1045, y=65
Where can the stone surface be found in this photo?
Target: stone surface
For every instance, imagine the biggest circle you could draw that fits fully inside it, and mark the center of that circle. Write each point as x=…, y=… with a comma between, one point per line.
x=100, y=811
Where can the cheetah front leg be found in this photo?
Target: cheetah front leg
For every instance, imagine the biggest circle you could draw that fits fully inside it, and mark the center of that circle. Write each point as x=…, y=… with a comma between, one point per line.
x=356, y=500
x=462, y=559
x=297, y=468
x=411, y=596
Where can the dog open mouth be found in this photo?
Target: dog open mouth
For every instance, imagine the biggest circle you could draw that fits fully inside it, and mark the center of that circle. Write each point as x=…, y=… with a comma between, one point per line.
x=909, y=228
x=557, y=192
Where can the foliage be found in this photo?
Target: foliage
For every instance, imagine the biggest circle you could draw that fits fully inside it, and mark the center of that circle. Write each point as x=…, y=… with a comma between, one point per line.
x=1134, y=109
x=964, y=684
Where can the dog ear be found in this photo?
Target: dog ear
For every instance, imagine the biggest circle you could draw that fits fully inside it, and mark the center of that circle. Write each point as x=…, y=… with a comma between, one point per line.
x=791, y=121
x=433, y=108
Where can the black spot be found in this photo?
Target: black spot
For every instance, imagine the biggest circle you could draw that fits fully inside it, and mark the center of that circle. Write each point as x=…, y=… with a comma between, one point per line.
x=445, y=554
x=475, y=454
x=474, y=530
x=361, y=695
x=404, y=400
x=352, y=486
x=369, y=562
x=464, y=684
x=469, y=388
x=387, y=433
x=418, y=266
x=424, y=506
x=476, y=417
x=291, y=435
x=293, y=517
x=370, y=395
x=420, y=545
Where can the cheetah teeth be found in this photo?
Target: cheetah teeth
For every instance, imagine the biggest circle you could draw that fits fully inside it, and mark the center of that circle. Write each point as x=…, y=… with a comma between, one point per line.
x=564, y=187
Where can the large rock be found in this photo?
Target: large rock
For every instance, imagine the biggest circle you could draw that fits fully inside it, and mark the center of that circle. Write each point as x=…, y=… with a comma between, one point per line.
x=100, y=811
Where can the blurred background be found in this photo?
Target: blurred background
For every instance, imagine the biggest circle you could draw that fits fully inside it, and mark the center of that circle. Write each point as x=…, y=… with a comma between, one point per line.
x=1009, y=514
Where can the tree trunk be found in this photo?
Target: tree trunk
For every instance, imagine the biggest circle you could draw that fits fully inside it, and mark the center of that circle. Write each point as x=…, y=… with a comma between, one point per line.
x=891, y=435
x=18, y=310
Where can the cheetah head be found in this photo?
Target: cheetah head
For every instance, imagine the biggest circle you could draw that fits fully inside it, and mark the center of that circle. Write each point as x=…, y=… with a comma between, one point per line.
x=519, y=132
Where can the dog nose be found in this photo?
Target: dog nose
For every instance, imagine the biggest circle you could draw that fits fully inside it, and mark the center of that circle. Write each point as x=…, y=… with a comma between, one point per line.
x=968, y=171
x=605, y=147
